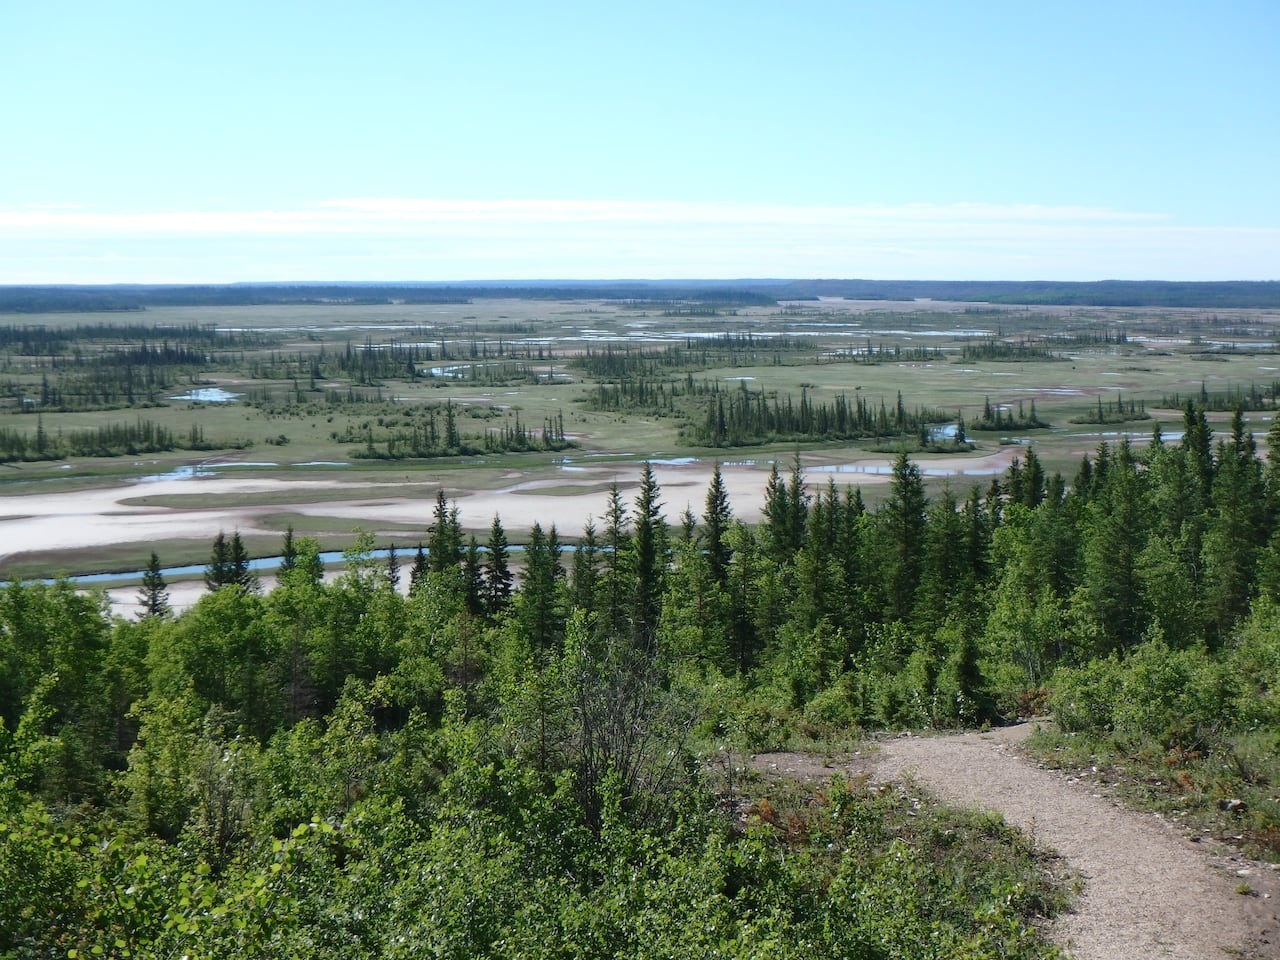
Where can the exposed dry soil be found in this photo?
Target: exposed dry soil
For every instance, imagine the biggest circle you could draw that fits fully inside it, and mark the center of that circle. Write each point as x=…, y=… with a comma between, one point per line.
x=1148, y=891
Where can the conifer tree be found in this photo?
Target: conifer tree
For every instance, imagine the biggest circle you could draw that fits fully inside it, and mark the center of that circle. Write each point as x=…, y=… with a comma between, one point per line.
x=1033, y=480
x=942, y=568
x=497, y=571
x=220, y=572
x=1197, y=441
x=648, y=561
x=717, y=516
x=1114, y=534
x=585, y=568
x=444, y=536
x=1236, y=530
x=241, y=573
x=418, y=572
x=154, y=595
x=616, y=541
x=473, y=584
x=288, y=551
x=540, y=611
x=776, y=516
x=904, y=521
x=797, y=506
x=393, y=567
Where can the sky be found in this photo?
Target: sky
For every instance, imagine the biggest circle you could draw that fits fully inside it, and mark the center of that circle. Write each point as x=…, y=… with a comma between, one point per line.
x=149, y=142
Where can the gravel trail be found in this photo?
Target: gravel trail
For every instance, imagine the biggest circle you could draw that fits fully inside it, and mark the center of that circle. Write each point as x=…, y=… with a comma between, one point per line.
x=1148, y=891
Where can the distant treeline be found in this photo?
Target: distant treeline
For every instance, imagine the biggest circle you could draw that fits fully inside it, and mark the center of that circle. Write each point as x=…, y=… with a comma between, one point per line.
x=745, y=417
x=1100, y=293
x=719, y=294
x=125, y=297
x=1117, y=411
x=39, y=340
x=111, y=440
x=998, y=350
x=1251, y=398
x=420, y=435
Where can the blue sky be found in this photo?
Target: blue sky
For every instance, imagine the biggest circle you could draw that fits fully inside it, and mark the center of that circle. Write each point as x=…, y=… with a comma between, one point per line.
x=175, y=142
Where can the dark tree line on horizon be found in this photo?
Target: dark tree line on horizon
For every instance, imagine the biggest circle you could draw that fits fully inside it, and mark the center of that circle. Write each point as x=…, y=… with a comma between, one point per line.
x=1127, y=293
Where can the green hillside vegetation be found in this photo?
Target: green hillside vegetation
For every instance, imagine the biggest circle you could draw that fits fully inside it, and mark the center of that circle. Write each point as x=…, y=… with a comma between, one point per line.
x=551, y=764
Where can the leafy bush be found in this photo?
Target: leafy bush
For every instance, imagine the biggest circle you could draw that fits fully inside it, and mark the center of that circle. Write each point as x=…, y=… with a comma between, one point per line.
x=1084, y=698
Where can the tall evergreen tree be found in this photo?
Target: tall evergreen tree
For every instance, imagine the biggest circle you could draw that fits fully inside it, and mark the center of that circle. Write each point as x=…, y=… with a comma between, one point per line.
x=797, y=506
x=1237, y=529
x=586, y=559
x=648, y=561
x=776, y=516
x=1115, y=532
x=242, y=574
x=154, y=595
x=497, y=571
x=288, y=551
x=1033, y=480
x=539, y=610
x=616, y=541
x=220, y=572
x=418, y=572
x=444, y=536
x=904, y=527
x=717, y=516
x=1197, y=441
x=943, y=573
x=393, y=567
x=473, y=582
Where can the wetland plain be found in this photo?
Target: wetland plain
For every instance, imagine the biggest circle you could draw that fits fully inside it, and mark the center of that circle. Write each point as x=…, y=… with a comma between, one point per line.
x=338, y=418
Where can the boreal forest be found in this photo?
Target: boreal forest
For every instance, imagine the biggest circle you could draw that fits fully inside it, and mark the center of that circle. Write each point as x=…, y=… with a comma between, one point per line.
x=474, y=749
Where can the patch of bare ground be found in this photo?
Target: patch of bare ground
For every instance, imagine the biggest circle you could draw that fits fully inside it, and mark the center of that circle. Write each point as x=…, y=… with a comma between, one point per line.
x=1147, y=891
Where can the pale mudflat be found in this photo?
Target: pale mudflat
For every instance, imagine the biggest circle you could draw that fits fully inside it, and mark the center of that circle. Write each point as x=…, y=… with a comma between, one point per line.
x=45, y=523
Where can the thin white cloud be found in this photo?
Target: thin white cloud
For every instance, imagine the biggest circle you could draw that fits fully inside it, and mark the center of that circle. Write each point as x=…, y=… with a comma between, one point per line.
x=434, y=239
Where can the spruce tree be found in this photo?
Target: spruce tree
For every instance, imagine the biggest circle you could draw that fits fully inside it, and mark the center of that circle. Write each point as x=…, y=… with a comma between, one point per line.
x=585, y=568
x=241, y=574
x=1033, y=480
x=616, y=541
x=797, y=506
x=418, y=572
x=154, y=595
x=904, y=519
x=393, y=567
x=648, y=562
x=540, y=610
x=1237, y=529
x=777, y=516
x=1114, y=533
x=444, y=537
x=473, y=578
x=220, y=572
x=717, y=516
x=497, y=571
x=288, y=551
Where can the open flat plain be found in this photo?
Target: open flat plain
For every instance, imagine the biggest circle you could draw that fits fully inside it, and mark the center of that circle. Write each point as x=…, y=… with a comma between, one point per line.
x=310, y=399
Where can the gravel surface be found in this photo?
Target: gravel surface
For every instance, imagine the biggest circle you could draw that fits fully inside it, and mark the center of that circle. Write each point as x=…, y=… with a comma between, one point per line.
x=1148, y=892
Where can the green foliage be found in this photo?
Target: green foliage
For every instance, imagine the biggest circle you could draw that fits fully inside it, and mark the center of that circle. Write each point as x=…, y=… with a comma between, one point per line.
x=490, y=768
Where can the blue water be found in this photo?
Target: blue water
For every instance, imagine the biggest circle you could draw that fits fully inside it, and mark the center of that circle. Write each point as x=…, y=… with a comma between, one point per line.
x=260, y=565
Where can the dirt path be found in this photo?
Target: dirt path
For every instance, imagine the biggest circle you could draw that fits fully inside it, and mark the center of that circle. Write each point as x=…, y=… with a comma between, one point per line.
x=1148, y=891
